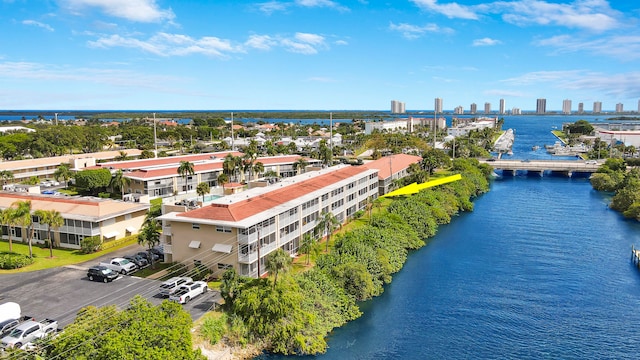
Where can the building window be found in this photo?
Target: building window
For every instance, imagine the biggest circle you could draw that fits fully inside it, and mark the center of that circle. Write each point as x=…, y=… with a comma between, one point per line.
x=223, y=229
x=222, y=266
x=195, y=226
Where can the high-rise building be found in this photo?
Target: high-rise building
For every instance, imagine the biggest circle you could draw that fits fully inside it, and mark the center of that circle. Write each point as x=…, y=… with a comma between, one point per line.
x=397, y=107
x=473, y=108
x=541, y=106
x=580, y=108
x=566, y=107
x=639, y=106
x=619, y=108
x=597, y=107
x=459, y=110
x=487, y=108
x=516, y=111
x=438, y=105
x=503, y=106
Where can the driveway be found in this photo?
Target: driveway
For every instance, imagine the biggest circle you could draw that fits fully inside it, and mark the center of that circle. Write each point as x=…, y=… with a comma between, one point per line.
x=59, y=293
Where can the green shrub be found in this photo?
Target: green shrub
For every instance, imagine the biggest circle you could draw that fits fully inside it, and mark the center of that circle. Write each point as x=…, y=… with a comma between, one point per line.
x=11, y=260
x=213, y=329
x=90, y=244
x=104, y=195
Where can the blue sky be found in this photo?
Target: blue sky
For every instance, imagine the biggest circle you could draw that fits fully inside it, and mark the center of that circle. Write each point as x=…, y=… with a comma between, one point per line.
x=317, y=54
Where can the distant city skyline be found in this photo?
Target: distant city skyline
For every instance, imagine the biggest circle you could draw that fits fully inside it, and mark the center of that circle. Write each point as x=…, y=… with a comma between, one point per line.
x=318, y=54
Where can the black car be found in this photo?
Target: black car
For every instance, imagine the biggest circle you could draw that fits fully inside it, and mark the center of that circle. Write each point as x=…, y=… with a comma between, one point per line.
x=101, y=273
x=145, y=255
x=138, y=260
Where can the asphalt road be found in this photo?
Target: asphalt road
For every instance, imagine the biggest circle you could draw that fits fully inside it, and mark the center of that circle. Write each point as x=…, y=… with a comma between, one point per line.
x=61, y=292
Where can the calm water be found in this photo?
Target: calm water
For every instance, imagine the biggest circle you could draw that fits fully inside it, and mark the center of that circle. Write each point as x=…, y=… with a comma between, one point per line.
x=540, y=269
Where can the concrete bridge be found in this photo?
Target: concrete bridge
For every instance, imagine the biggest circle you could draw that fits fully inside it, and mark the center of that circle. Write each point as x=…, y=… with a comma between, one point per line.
x=567, y=167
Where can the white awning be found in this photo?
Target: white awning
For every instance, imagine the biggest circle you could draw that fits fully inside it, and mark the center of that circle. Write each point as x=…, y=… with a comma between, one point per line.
x=111, y=234
x=194, y=244
x=223, y=248
x=131, y=229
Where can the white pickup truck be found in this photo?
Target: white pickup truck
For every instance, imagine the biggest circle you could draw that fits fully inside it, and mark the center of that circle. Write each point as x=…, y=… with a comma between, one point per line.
x=188, y=291
x=120, y=265
x=29, y=331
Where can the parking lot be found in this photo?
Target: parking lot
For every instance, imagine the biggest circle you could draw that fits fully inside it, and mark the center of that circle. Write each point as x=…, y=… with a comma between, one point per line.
x=59, y=293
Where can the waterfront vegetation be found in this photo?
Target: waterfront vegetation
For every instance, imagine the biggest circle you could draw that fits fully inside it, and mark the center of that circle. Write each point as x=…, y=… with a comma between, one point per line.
x=294, y=314
x=622, y=178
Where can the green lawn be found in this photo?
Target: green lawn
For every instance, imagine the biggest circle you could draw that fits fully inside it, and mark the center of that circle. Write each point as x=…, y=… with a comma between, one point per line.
x=61, y=257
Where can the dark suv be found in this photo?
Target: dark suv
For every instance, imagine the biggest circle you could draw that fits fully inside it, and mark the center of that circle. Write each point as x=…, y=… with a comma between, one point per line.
x=101, y=273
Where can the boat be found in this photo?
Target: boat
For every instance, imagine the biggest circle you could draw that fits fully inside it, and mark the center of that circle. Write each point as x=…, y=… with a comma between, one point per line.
x=535, y=148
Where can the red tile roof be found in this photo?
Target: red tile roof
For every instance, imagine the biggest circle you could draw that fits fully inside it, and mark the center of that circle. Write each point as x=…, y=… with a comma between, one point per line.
x=137, y=164
x=206, y=167
x=395, y=163
x=266, y=201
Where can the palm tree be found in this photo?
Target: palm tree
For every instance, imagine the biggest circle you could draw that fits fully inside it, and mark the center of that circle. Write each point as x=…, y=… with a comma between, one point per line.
x=64, y=173
x=119, y=181
x=258, y=167
x=7, y=218
x=6, y=175
x=150, y=233
x=122, y=156
x=22, y=216
x=278, y=261
x=300, y=164
x=229, y=164
x=203, y=189
x=308, y=243
x=223, y=179
x=327, y=223
x=185, y=168
x=247, y=163
x=53, y=219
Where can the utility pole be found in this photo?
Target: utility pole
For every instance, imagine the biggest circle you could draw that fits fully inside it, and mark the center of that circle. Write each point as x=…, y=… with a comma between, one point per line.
x=155, y=138
x=233, y=148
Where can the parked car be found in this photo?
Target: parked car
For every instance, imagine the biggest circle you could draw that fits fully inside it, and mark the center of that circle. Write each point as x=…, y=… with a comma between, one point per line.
x=8, y=325
x=591, y=162
x=148, y=257
x=140, y=261
x=101, y=273
x=188, y=291
x=171, y=285
x=29, y=331
x=121, y=265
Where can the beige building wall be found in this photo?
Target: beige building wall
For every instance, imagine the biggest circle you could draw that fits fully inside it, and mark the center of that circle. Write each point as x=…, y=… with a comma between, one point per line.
x=182, y=240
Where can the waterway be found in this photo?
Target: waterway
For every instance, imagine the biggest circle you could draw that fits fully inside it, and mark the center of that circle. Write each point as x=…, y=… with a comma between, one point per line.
x=539, y=270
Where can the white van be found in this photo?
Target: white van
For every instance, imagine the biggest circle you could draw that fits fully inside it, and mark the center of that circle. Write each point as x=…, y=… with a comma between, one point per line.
x=10, y=311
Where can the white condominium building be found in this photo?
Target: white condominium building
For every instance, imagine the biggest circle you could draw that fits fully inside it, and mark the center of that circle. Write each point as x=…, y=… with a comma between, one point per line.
x=240, y=230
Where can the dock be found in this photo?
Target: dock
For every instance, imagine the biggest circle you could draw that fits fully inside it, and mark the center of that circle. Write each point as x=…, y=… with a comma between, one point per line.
x=635, y=256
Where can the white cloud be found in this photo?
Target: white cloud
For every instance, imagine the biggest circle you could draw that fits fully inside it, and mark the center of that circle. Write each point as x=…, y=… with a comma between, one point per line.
x=450, y=10
x=133, y=10
x=321, y=3
x=321, y=79
x=165, y=44
x=38, y=24
x=486, y=42
x=413, y=31
x=107, y=76
x=622, y=48
x=594, y=15
x=272, y=6
x=621, y=86
x=543, y=76
x=262, y=42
